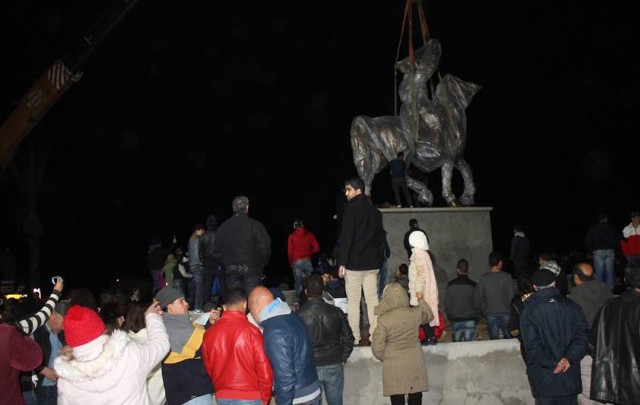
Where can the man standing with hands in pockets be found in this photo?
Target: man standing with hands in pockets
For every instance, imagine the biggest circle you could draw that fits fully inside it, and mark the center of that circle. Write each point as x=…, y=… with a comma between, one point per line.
x=359, y=255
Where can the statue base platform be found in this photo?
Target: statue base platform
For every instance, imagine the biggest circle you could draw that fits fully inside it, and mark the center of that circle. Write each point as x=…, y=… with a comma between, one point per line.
x=454, y=233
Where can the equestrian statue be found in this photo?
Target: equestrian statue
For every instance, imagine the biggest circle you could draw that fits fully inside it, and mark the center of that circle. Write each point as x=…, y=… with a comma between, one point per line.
x=430, y=130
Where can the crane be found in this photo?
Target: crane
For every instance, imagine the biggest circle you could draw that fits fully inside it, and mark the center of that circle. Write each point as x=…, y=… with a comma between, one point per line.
x=55, y=81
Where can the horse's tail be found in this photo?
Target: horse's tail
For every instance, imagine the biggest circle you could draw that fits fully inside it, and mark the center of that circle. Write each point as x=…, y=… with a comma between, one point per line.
x=362, y=150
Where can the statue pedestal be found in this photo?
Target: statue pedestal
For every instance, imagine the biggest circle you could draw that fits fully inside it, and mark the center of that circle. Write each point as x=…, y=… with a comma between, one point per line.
x=453, y=233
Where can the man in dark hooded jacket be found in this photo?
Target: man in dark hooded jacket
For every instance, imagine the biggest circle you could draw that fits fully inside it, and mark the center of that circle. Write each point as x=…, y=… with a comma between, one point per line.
x=212, y=268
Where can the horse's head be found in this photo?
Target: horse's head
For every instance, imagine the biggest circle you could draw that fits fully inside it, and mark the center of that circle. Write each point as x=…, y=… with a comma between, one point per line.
x=417, y=72
x=426, y=60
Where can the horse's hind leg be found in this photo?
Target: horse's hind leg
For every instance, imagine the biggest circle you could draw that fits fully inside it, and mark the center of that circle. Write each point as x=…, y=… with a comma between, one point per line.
x=468, y=195
x=447, y=193
x=425, y=195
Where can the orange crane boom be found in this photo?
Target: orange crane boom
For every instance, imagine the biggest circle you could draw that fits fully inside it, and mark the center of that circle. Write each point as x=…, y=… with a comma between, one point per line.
x=49, y=87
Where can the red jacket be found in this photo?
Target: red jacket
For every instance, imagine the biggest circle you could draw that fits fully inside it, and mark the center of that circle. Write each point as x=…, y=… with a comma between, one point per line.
x=17, y=353
x=630, y=244
x=301, y=245
x=233, y=354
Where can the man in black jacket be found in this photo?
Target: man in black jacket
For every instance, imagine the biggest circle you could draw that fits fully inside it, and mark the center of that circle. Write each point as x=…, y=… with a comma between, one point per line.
x=413, y=226
x=602, y=240
x=614, y=336
x=212, y=269
x=332, y=339
x=360, y=254
x=243, y=246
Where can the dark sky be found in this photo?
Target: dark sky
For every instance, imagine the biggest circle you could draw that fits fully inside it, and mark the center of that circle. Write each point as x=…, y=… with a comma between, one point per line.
x=187, y=104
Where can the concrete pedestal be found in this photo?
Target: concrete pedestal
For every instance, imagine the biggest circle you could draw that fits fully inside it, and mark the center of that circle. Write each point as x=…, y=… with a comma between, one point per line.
x=454, y=233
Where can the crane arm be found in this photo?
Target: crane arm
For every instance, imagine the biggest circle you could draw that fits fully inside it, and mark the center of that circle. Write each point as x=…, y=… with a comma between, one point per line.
x=52, y=84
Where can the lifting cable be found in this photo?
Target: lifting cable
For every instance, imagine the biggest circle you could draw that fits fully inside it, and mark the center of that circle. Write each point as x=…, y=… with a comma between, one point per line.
x=424, y=30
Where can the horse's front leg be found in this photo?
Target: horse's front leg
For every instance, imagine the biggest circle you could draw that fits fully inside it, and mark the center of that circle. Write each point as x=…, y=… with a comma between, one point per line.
x=447, y=193
x=468, y=195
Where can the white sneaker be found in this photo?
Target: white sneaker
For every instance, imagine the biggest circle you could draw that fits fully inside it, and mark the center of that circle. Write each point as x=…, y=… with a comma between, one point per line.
x=398, y=206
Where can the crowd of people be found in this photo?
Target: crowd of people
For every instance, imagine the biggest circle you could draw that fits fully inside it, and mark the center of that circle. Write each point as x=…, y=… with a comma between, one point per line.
x=209, y=329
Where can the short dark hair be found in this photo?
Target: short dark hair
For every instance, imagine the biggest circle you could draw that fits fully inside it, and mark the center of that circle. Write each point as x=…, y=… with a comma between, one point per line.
x=234, y=296
x=632, y=274
x=314, y=285
x=400, y=153
x=495, y=257
x=463, y=266
x=413, y=222
x=134, y=320
x=546, y=256
x=356, y=183
x=198, y=227
x=403, y=269
x=577, y=270
x=525, y=286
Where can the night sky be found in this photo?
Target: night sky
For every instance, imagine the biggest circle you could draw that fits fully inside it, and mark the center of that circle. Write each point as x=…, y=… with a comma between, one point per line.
x=187, y=104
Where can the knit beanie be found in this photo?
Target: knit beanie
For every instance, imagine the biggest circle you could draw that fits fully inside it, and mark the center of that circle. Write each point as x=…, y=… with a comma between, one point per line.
x=82, y=325
x=167, y=295
x=542, y=277
x=552, y=266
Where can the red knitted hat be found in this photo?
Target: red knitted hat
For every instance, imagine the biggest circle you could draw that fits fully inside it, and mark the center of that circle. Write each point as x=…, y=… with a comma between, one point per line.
x=82, y=325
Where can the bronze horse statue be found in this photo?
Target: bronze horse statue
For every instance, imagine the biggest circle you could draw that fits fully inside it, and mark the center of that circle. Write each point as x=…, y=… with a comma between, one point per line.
x=430, y=130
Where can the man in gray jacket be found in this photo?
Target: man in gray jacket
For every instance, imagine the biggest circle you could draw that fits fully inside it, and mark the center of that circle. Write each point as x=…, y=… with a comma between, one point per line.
x=493, y=295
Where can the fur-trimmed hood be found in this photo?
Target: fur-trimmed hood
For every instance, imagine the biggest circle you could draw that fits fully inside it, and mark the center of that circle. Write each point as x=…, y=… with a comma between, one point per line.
x=86, y=364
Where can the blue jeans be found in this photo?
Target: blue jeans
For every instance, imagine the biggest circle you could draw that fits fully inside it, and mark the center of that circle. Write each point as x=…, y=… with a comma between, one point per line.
x=242, y=276
x=331, y=378
x=604, y=261
x=496, y=323
x=464, y=331
x=206, y=399
x=30, y=397
x=316, y=401
x=565, y=400
x=198, y=279
x=180, y=285
x=382, y=278
x=301, y=269
x=47, y=395
x=238, y=401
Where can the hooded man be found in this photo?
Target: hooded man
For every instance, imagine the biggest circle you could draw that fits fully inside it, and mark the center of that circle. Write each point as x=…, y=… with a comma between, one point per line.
x=288, y=347
x=212, y=269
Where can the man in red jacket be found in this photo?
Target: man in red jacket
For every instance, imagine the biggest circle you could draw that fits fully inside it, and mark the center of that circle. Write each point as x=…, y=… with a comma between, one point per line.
x=234, y=356
x=300, y=246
